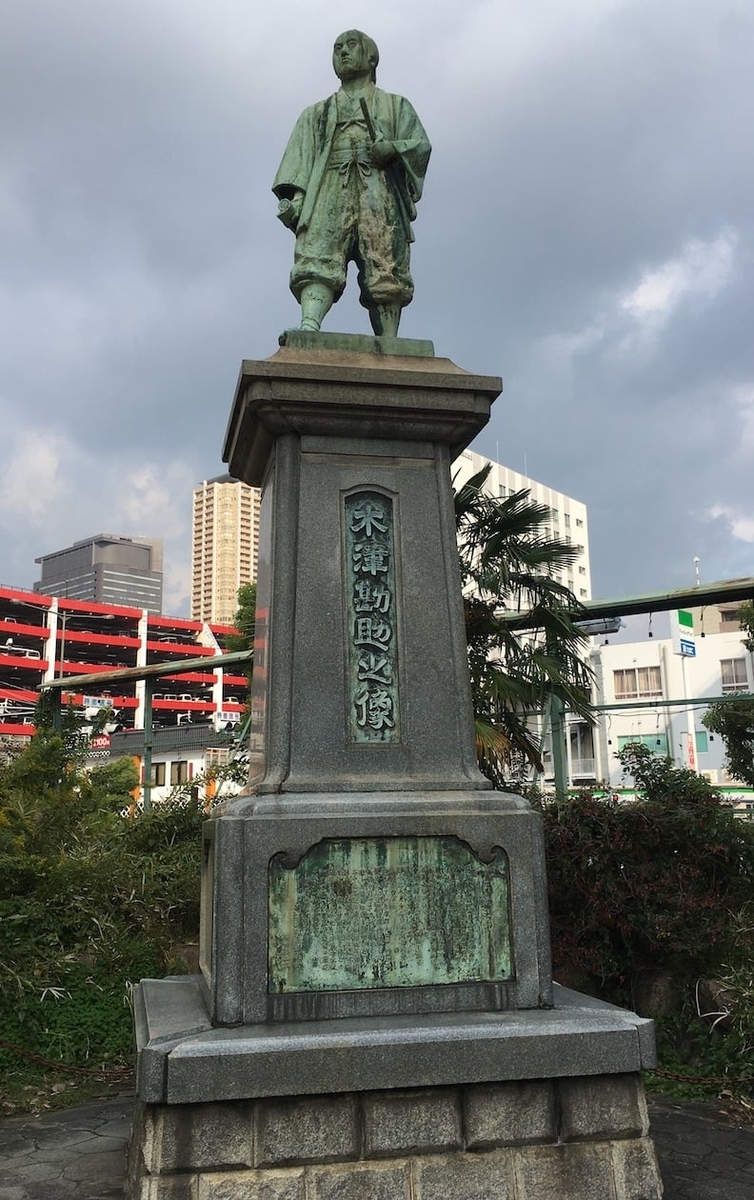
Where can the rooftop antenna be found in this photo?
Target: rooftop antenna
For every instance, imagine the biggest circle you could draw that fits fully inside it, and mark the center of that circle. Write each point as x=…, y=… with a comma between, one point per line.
x=696, y=569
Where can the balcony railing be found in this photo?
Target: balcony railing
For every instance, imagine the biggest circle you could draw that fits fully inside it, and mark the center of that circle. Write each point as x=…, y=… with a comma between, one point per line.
x=582, y=768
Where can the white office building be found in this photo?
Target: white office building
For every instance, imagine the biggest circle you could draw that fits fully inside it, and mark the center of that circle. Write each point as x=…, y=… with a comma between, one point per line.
x=656, y=690
x=569, y=516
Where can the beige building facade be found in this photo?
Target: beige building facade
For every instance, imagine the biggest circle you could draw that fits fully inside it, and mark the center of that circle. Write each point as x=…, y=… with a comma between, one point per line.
x=224, y=546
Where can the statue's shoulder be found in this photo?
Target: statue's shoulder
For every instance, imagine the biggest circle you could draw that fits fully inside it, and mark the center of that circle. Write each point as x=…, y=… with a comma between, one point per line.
x=392, y=100
x=383, y=97
x=315, y=111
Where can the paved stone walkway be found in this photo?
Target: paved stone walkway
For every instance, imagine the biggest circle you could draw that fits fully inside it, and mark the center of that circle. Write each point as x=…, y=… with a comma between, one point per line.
x=77, y=1153
x=74, y=1154
x=702, y=1155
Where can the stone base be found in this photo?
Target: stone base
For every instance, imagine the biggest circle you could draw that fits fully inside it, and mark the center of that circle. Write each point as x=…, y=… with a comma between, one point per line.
x=527, y=1105
x=371, y=920
x=182, y=1059
x=583, y=1138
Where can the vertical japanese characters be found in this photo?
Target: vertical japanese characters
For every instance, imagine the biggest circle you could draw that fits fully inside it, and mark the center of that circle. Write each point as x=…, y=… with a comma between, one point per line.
x=373, y=715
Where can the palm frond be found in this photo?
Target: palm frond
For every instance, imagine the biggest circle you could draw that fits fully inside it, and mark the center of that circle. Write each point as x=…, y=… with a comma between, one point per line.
x=509, y=562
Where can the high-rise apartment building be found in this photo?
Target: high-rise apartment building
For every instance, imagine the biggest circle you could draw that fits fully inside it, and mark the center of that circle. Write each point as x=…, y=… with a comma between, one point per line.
x=108, y=569
x=224, y=546
x=568, y=519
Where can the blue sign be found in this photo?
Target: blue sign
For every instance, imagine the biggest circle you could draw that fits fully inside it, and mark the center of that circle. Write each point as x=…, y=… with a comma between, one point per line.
x=688, y=648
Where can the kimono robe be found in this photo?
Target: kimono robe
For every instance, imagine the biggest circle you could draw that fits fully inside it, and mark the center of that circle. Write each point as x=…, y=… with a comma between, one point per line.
x=353, y=209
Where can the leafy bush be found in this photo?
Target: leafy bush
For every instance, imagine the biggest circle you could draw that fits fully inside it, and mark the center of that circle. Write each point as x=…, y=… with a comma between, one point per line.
x=90, y=901
x=645, y=886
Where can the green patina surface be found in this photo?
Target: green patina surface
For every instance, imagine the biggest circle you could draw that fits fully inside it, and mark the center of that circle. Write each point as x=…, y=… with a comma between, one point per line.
x=388, y=912
x=348, y=185
x=357, y=343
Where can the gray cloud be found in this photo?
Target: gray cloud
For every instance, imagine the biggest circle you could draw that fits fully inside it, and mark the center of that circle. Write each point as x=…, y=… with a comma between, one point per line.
x=586, y=231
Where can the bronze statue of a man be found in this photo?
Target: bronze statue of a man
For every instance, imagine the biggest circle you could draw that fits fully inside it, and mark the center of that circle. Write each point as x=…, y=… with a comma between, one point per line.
x=348, y=185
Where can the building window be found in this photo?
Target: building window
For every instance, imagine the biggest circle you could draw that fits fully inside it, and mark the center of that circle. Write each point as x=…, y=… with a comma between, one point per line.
x=217, y=756
x=702, y=741
x=157, y=778
x=178, y=773
x=657, y=743
x=729, y=618
x=733, y=672
x=637, y=683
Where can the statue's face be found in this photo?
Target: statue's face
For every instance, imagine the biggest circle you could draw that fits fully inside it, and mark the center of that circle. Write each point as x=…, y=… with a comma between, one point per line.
x=349, y=56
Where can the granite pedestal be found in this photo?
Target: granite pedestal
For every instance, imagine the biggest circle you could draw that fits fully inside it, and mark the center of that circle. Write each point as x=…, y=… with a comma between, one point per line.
x=375, y=1014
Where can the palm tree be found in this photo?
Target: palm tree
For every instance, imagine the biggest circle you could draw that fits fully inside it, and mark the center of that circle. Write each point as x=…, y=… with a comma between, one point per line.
x=508, y=563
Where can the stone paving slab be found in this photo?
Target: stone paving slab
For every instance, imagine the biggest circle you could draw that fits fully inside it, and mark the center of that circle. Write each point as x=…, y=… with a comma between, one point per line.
x=73, y=1154
x=78, y=1153
x=702, y=1155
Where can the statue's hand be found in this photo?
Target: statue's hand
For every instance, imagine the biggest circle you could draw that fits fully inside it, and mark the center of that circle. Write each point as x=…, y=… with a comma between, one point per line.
x=289, y=211
x=382, y=152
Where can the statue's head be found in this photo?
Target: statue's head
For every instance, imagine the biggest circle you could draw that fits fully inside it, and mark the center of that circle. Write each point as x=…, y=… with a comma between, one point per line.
x=354, y=53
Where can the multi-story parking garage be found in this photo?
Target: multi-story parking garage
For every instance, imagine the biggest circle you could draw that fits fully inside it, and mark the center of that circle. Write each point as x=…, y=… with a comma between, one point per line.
x=48, y=637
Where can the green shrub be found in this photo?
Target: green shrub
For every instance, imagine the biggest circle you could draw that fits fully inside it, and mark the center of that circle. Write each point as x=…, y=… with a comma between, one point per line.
x=648, y=886
x=90, y=902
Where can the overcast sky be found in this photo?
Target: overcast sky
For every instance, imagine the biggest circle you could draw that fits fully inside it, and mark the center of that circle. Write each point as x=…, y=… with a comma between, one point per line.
x=587, y=232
